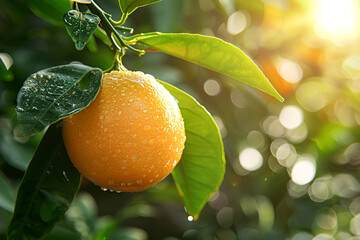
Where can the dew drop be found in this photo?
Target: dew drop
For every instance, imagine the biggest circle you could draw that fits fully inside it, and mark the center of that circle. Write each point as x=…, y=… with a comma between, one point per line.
x=64, y=174
x=190, y=218
x=147, y=128
x=104, y=189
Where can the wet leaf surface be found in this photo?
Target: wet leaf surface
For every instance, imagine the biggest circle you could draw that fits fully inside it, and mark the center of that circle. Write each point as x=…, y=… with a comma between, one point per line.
x=55, y=93
x=46, y=191
x=80, y=26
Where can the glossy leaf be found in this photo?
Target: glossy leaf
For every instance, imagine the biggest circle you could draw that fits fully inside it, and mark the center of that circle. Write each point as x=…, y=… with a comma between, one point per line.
x=202, y=166
x=55, y=93
x=128, y=6
x=51, y=10
x=212, y=53
x=46, y=191
x=7, y=196
x=80, y=26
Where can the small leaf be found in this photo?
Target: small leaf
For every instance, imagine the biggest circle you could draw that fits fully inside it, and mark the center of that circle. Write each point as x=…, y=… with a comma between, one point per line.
x=80, y=26
x=202, y=166
x=128, y=6
x=51, y=10
x=46, y=191
x=55, y=93
x=7, y=196
x=212, y=53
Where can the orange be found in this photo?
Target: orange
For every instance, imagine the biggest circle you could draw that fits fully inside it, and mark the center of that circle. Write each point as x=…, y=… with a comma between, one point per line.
x=130, y=137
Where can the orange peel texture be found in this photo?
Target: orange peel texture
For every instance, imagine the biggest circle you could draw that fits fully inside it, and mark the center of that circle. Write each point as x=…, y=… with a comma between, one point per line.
x=130, y=137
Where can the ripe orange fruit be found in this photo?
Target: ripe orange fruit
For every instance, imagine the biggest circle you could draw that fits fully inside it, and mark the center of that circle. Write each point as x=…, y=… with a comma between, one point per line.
x=130, y=137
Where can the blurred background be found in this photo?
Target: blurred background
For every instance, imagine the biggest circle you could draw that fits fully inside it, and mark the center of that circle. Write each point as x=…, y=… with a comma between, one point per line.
x=292, y=167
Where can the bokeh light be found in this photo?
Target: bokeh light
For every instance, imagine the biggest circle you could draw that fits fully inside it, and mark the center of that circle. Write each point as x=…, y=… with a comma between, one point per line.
x=337, y=20
x=236, y=23
x=304, y=170
x=290, y=71
x=212, y=87
x=291, y=117
x=251, y=159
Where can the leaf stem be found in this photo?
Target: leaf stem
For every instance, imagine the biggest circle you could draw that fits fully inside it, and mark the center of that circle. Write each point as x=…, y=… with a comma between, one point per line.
x=122, y=19
x=110, y=30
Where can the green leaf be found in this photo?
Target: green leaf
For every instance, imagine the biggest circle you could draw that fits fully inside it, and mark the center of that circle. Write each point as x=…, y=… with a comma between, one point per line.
x=51, y=10
x=128, y=6
x=80, y=26
x=46, y=191
x=202, y=166
x=7, y=196
x=212, y=53
x=55, y=93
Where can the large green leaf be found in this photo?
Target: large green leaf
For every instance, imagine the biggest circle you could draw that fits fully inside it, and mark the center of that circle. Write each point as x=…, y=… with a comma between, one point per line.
x=202, y=166
x=128, y=6
x=212, y=53
x=46, y=191
x=80, y=26
x=51, y=10
x=55, y=93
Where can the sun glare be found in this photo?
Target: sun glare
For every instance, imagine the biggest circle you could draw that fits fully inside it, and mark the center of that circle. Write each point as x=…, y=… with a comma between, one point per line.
x=337, y=20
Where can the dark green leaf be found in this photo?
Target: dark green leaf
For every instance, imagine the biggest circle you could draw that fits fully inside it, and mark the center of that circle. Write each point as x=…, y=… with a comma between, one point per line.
x=128, y=6
x=5, y=74
x=212, y=53
x=51, y=10
x=80, y=26
x=7, y=195
x=46, y=191
x=202, y=166
x=55, y=93
x=91, y=44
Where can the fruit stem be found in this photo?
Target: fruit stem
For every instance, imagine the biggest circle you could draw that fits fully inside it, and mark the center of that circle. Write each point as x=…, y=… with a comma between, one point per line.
x=117, y=63
x=110, y=30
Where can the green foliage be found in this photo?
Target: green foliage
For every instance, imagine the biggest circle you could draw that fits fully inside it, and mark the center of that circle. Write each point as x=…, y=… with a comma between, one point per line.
x=55, y=93
x=129, y=6
x=51, y=10
x=80, y=26
x=14, y=153
x=212, y=53
x=7, y=196
x=46, y=191
x=201, y=169
x=262, y=203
